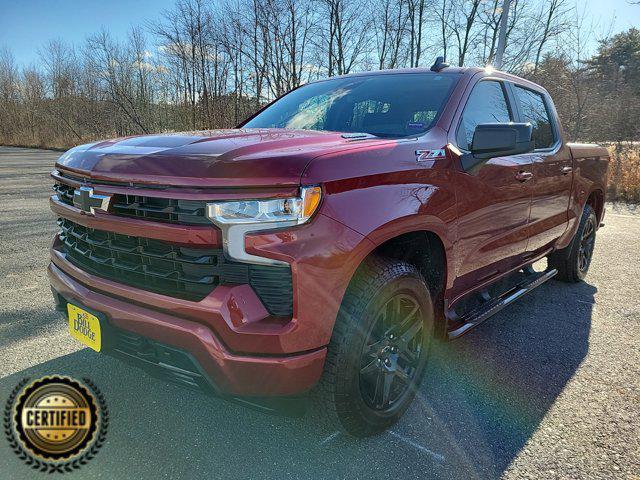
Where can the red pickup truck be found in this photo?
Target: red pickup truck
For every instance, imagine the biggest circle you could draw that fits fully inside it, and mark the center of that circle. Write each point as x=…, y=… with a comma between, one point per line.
x=326, y=242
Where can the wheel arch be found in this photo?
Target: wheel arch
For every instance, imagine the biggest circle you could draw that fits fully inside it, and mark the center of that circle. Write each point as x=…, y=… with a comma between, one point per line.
x=596, y=201
x=427, y=251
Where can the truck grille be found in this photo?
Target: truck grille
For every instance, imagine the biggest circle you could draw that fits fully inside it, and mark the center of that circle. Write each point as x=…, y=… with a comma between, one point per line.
x=143, y=263
x=188, y=212
x=168, y=269
x=64, y=192
x=167, y=210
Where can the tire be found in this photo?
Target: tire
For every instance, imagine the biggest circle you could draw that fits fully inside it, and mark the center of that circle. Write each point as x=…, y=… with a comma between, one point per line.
x=573, y=261
x=379, y=300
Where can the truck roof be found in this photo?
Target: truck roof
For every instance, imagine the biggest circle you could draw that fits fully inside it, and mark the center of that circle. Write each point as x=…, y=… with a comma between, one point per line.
x=445, y=71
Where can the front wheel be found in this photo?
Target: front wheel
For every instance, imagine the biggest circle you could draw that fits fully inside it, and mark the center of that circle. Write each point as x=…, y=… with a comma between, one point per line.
x=573, y=261
x=378, y=351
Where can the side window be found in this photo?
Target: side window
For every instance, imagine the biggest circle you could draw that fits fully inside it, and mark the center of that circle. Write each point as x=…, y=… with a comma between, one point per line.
x=487, y=104
x=534, y=110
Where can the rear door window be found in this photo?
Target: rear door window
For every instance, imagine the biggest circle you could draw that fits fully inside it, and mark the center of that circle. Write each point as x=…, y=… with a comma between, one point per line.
x=487, y=104
x=533, y=109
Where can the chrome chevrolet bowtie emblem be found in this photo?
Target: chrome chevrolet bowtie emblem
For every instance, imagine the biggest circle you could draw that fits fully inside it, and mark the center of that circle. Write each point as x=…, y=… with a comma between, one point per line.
x=87, y=201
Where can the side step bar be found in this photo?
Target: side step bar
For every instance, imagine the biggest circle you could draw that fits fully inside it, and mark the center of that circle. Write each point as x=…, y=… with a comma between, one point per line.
x=475, y=317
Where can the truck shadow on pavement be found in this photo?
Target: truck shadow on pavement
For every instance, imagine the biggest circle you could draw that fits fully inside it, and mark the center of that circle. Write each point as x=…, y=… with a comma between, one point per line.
x=482, y=399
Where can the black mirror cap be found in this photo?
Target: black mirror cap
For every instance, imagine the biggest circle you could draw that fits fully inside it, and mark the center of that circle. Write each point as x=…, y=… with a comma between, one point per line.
x=501, y=139
x=498, y=140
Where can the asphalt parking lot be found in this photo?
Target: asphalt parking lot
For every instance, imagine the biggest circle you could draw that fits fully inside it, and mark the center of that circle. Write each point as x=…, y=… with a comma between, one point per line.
x=548, y=388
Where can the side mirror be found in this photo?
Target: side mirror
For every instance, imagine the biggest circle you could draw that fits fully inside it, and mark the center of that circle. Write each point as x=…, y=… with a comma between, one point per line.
x=497, y=140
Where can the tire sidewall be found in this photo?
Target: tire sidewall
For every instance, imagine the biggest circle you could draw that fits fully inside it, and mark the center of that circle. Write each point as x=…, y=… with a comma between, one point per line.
x=588, y=213
x=411, y=284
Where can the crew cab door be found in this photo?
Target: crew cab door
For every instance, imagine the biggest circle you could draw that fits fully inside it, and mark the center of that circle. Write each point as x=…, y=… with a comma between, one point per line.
x=551, y=165
x=493, y=201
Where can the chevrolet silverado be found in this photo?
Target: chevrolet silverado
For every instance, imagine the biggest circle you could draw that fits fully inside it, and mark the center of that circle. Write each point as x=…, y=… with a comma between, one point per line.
x=325, y=243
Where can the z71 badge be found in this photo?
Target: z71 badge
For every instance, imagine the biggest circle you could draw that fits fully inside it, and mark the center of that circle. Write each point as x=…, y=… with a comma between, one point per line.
x=424, y=155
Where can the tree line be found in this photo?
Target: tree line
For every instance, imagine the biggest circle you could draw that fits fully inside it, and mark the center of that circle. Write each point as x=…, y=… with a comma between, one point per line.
x=209, y=64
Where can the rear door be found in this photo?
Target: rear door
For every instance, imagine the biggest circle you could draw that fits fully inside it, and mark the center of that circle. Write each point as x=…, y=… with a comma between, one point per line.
x=494, y=201
x=551, y=167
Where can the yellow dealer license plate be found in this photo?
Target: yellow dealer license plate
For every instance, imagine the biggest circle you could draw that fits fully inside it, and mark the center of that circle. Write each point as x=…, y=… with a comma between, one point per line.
x=84, y=327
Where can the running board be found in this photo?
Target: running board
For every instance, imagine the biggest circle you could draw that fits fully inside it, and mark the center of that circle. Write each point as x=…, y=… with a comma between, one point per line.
x=475, y=317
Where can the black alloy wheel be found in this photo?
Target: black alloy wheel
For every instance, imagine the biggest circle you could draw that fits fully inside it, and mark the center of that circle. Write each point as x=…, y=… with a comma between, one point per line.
x=573, y=261
x=587, y=242
x=390, y=355
x=379, y=349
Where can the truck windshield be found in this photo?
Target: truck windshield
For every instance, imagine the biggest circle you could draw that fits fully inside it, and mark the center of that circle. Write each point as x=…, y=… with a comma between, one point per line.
x=391, y=105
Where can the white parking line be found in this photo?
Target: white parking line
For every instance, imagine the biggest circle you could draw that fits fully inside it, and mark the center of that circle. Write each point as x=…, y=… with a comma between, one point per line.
x=436, y=456
x=329, y=438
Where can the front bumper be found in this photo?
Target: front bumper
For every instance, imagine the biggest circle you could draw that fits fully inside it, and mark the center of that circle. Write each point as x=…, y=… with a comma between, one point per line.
x=163, y=342
x=237, y=346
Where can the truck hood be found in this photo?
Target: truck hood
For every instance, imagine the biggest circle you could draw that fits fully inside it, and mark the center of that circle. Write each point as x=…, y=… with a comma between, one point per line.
x=221, y=158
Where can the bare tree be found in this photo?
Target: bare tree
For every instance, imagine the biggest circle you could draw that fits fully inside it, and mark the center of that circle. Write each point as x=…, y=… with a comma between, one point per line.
x=185, y=35
x=206, y=64
x=390, y=26
x=489, y=17
x=345, y=34
x=61, y=72
x=116, y=68
x=554, y=13
x=461, y=23
x=32, y=96
x=416, y=10
x=9, y=95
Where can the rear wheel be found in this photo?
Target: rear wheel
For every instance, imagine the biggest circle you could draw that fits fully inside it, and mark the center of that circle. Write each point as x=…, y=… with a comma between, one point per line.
x=573, y=261
x=378, y=351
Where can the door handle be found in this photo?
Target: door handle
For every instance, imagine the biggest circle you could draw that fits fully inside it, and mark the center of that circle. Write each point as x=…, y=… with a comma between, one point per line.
x=523, y=176
x=566, y=170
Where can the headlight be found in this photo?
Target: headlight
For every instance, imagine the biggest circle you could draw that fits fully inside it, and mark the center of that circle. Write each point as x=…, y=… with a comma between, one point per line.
x=236, y=218
x=297, y=209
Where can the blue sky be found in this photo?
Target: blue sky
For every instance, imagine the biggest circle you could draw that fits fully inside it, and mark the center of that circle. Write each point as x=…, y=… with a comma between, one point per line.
x=25, y=25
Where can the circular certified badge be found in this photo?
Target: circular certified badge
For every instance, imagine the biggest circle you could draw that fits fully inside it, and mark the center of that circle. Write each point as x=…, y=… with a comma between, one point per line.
x=56, y=423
